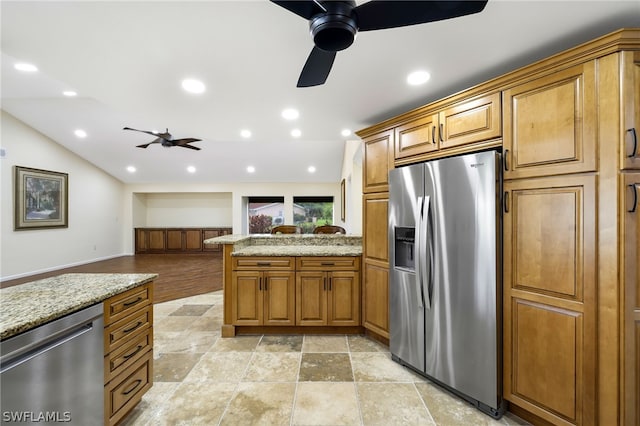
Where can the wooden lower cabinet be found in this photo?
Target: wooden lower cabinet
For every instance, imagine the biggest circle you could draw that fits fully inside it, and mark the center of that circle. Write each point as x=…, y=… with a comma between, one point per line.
x=550, y=327
x=375, y=298
x=327, y=294
x=177, y=240
x=128, y=347
x=263, y=297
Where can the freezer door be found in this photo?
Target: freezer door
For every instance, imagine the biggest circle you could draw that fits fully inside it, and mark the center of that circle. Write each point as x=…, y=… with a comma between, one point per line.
x=406, y=301
x=461, y=326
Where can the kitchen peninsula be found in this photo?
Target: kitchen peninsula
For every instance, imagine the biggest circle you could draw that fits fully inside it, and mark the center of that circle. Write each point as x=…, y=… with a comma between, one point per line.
x=77, y=337
x=284, y=283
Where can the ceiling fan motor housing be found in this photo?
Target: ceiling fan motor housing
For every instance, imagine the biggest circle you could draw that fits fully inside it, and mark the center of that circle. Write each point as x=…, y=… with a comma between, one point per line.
x=335, y=29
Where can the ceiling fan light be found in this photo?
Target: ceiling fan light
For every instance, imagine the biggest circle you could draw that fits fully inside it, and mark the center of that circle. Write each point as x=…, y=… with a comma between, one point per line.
x=193, y=86
x=417, y=78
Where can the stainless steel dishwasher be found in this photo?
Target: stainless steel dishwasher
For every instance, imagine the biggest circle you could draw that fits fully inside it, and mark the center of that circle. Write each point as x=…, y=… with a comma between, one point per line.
x=54, y=374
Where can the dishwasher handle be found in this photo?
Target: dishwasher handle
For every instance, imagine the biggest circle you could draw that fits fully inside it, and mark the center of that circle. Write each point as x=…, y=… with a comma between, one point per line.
x=45, y=346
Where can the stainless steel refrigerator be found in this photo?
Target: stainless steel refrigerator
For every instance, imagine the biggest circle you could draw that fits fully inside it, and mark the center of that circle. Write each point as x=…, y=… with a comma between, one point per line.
x=445, y=286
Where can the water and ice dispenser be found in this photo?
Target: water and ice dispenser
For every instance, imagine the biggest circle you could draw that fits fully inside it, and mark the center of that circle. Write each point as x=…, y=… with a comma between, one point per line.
x=405, y=248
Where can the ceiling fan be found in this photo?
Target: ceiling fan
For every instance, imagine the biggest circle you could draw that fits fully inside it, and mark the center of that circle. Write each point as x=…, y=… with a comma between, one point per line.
x=165, y=139
x=334, y=24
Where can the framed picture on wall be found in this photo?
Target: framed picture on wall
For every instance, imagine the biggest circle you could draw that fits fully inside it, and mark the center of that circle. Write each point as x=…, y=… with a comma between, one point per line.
x=343, y=209
x=40, y=199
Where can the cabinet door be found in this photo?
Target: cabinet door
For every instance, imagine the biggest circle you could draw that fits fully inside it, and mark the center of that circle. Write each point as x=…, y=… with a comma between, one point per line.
x=343, y=304
x=375, y=242
x=630, y=151
x=156, y=240
x=470, y=121
x=417, y=137
x=311, y=298
x=211, y=233
x=631, y=293
x=550, y=297
x=279, y=292
x=550, y=124
x=246, y=298
x=378, y=160
x=174, y=239
x=193, y=239
x=375, y=298
x=141, y=238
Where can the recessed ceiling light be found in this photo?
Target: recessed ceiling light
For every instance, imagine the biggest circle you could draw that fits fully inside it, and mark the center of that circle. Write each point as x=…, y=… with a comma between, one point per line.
x=191, y=169
x=251, y=169
x=193, y=86
x=290, y=114
x=131, y=169
x=417, y=78
x=296, y=133
x=80, y=133
x=26, y=67
x=245, y=133
x=311, y=169
x=345, y=132
x=69, y=93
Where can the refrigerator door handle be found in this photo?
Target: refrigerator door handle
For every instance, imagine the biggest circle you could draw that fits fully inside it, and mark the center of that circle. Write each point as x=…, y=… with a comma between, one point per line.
x=425, y=252
x=419, y=251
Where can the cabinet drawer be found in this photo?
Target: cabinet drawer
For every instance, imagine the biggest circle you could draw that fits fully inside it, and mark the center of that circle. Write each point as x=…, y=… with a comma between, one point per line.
x=253, y=263
x=126, y=390
x=121, y=331
x=127, y=354
x=341, y=263
x=121, y=305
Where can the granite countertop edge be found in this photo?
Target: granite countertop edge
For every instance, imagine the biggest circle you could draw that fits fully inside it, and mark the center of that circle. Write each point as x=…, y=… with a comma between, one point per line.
x=30, y=305
x=281, y=251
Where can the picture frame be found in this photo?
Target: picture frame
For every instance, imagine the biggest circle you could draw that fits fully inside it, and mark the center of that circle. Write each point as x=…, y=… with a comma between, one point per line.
x=40, y=199
x=343, y=209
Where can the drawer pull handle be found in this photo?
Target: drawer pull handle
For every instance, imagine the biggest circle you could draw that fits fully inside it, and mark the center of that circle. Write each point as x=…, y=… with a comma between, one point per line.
x=330, y=279
x=506, y=201
x=327, y=263
x=634, y=205
x=433, y=135
x=635, y=142
x=129, y=330
x=506, y=157
x=264, y=263
x=133, y=302
x=324, y=283
x=260, y=284
x=127, y=356
x=441, y=132
x=135, y=385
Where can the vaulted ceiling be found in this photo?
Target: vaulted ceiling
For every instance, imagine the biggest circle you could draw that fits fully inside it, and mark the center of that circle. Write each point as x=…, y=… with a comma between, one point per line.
x=126, y=61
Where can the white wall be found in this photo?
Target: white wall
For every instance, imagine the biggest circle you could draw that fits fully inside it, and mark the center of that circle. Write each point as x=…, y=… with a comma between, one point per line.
x=95, y=207
x=184, y=209
x=352, y=174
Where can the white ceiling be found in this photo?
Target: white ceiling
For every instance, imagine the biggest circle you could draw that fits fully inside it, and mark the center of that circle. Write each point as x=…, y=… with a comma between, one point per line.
x=126, y=61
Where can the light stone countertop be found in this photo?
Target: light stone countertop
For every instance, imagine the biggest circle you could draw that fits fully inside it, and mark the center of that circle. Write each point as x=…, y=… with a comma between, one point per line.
x=26, y=306
x=291, y=244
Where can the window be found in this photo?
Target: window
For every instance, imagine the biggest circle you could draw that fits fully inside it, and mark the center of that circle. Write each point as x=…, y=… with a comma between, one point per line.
x=264, y=213
x=309, y=212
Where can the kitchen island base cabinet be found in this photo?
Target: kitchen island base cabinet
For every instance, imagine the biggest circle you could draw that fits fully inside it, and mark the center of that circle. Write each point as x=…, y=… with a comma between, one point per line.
x=128, y=351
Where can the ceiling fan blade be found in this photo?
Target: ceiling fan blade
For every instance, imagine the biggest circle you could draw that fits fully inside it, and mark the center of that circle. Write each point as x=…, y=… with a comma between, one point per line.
x=184, y=141
x=303, y=8
x=166, y=135
x=381, y=14
x=189, y=146
x=316, y=69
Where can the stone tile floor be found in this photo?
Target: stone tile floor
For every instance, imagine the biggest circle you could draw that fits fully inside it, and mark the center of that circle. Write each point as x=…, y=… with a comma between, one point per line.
x=203, y=379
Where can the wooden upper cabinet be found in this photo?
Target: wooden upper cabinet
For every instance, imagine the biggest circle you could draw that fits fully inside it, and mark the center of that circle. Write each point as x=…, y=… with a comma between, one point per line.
x=470, y=121
x=460, y=124
x=417, y=137
x=378, y=160
x=630, y=150
x=550, y=124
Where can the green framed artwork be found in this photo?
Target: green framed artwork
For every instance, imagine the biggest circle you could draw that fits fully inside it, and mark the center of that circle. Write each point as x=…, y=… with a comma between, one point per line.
x=40, y=199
